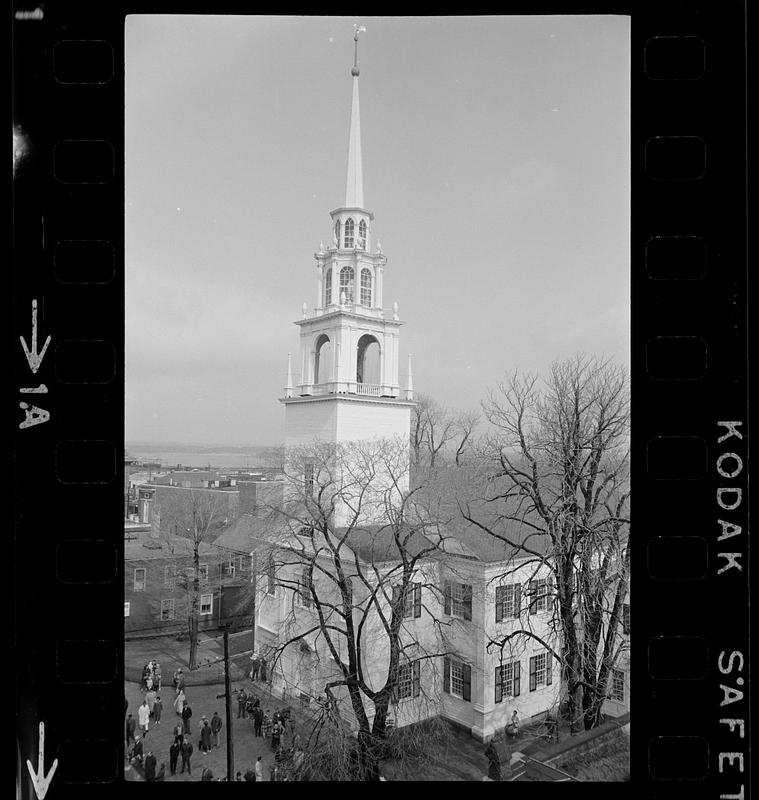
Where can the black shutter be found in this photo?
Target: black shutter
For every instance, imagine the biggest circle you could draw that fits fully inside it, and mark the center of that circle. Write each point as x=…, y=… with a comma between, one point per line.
x=415, y=680
x=532, y=590
x=498, y=685
x=549, y=668
x=517, y=667
x=447, y=598
x=500, y=592
x=517, y=599
x=446, y=675
x=533, y=675
x=467, y=693
x=417, y=600
x=467, y=601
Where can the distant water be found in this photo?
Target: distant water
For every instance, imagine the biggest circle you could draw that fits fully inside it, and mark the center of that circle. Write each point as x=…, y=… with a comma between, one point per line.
x=191, y=459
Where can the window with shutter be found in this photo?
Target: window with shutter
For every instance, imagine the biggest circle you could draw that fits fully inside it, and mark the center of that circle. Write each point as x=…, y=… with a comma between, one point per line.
x=507, y=601
x=466, y=694
x=458, y=600
x=533, y=680
x=540, y=670
x=506, y=681
x=457, y=678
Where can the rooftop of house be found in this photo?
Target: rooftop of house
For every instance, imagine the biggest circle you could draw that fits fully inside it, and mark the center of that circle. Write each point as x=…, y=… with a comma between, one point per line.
x=154, y=548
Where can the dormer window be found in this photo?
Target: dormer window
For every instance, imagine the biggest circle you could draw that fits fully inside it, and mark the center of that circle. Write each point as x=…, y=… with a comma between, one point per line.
x=362, y=235
x=349, y=233
x=328, y=286
x=347, y=278
x=366, y=287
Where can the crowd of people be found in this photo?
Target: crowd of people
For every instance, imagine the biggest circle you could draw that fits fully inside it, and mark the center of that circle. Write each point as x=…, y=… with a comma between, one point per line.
x=266, y=725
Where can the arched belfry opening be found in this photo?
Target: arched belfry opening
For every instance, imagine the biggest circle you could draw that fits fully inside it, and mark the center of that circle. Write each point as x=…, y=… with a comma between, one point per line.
x=323, y=359
x=368, y=360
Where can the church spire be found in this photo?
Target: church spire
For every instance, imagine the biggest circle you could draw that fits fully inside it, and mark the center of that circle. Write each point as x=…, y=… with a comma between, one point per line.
x=354, y=186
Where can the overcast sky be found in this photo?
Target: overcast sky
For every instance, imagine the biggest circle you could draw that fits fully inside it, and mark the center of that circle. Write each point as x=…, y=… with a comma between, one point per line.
x=496, y=162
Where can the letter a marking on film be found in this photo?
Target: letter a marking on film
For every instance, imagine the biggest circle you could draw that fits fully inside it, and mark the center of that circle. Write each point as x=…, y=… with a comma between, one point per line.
x=39, y=779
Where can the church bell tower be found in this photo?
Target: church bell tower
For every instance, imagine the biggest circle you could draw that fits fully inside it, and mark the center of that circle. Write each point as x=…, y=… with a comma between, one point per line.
x=349, y=386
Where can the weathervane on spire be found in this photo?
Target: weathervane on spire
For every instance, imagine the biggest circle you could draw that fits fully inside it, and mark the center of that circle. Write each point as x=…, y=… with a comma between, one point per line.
x=356, y=30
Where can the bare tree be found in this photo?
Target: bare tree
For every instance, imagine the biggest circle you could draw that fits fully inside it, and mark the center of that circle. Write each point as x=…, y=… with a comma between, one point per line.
x=556, y=468
x=353, y=558
x=438, y=434
x=198, y=515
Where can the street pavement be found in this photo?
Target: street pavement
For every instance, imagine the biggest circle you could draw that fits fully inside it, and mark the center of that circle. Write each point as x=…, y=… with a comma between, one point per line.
x=202, y=699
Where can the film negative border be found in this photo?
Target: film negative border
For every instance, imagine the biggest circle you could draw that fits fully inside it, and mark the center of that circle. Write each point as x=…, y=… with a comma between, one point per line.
x=690, y=663
x=689, y=402
x=68, y=273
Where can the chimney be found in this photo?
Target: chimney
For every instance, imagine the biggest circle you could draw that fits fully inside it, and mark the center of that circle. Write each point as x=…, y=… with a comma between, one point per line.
x=247, y=497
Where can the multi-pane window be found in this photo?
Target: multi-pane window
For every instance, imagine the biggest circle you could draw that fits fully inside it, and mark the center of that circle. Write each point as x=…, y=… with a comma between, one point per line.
x=169, y=576
x=540, y=671
x=127, y=609
x=457, y=678
x=412, y=602
x=303, y=595
x=541, y=592
x=231, y=566
x=206, y=603
x=507, y=680
x=617, y=689
x=362, y=235
x=626, y=618
x=458, y=600
x=139, y=579
x=167, y=609
x=271, y=576
x=408, y=684
x=328, y=286
x=308, y=478
x=349, y=228
x=347, y=284
x=366, y=287
x=508, y=599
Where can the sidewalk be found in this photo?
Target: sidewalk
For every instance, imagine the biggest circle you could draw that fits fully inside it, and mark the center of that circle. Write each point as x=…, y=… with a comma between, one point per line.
x=171, y=654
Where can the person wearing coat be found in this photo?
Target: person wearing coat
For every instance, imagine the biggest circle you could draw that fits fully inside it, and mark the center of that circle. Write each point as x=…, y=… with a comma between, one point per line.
x=186, y=714
x=174, y=756
x=206, y=775
x=215, y=728
x=186, y=753
x=150, y=697
x=242, y=699
x=131, y=726
x=157, y=710
x=258, y=719
x=179, y=702
x=205, y=736
x=150, y=764
x=178, y=732
x=137, y=749
x=143, y=717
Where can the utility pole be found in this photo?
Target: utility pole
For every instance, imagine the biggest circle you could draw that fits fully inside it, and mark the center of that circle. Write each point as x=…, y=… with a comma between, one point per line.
x=228, y=707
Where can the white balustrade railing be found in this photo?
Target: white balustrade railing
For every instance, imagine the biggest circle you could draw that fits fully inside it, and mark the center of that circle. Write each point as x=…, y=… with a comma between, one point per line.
x=371, y=389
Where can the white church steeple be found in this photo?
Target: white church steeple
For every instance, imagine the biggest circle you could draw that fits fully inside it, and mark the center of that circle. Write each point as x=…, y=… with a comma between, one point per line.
x=349, y=344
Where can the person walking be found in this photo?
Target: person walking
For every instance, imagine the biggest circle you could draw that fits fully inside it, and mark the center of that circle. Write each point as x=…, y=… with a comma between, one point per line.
x=143, y=718
x=255, y=666
x=205, y=735
x=186, y=714
x=137, y=750
x=262, y=670
x=157, y=675
x=215, y=728
x=131, y=725
x=174, y=751
x=180, y=681
x=258, y=719
x=157, y=710
x=179, y=702
x=150, y=697
x=276, y=735
x=259, y=769
x=242, y=699
x=266, y=724
x=178, y=731
x=150, y=764
x=186, y=753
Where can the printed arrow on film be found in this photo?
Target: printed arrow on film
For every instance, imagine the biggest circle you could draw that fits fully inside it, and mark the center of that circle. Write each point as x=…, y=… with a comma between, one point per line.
x=32, y=356
x=39, y=779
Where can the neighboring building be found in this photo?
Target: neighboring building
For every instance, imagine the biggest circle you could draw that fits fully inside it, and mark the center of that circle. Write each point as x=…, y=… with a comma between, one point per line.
x=156, y=575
